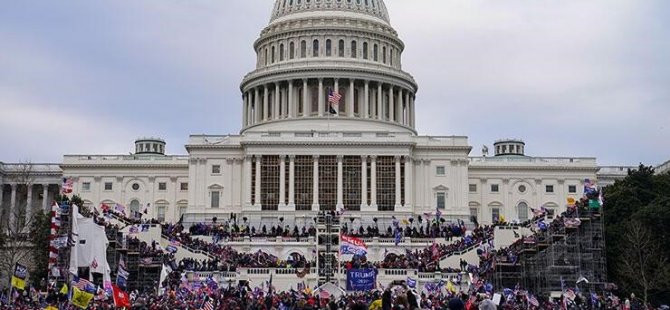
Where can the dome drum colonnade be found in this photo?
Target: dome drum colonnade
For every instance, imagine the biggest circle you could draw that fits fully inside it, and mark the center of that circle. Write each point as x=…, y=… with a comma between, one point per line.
x=311, y=48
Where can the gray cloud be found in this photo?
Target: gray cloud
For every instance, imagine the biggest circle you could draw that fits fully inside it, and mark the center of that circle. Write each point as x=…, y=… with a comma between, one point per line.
x=572, y=78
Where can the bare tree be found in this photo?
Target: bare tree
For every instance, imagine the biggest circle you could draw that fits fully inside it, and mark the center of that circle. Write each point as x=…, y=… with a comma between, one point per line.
x=642, y=264
x=16, y=245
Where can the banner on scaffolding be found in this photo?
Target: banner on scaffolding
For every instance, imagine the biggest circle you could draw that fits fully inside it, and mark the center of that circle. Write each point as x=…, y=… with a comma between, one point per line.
x=352, y=245
x=361, y=279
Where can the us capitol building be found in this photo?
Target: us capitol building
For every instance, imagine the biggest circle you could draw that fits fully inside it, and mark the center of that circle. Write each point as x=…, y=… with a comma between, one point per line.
x=293, y=157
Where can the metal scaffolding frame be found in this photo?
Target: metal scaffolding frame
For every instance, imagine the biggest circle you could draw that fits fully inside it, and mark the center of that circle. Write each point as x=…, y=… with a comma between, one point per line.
x=559, y=258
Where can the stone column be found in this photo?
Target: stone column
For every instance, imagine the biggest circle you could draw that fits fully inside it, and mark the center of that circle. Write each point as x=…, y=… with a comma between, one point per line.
x=398, y=109
x=315, y=188
x=291, y=100
x=380, y=113
x=305, y=106
x=245, y=108
x=391, y=104
x=282, y=183
x=407, y=108
x=257, y=194
x=275, y=110
x=266, y=110
x=364, y=182
x=427, y=199
x=336, y=89
x=12, y=207
x=29, y=202
x=340, y=184
x=322, y=104
x=373, y=182
x=366, y=100
x=409, y=178
x=291, y=182
x=398, y=186
x=350, y=102
x=247, y=180
x=257, y=106
x=412, y=110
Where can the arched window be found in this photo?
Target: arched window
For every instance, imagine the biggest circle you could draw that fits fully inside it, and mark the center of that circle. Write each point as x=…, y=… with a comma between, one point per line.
x=391, y=51
x=134, y=207
x=303, y=49
x=315, y=48
x=354, y=49
x=375, y=52
x=291, y=50
x=365, y=50
x=281, y=52
x=384, y=54
x=329, y=48
x=340, y=48
x=273, y=54
x=314, y=92
x=522, y=209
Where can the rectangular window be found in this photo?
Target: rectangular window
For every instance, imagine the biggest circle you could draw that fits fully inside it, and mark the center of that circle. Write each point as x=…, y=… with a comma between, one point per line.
x=215, y=200
x=440, y=170
x=183, y=186
x=572, y=189
x=550, y=188
x=108, y=186
x=86, y=186
x=473, y=188
x=162, y=186
x=161, y=214
x=495, y=215
x=441, y=200
x=495, y=188
x=216, y=169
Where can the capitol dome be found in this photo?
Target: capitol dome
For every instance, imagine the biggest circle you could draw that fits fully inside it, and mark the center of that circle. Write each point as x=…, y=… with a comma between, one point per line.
x=313, y=49
x=373, y=8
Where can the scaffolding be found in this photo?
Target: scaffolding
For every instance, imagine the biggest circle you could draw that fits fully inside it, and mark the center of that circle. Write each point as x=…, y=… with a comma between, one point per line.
x=143, y=272
x=562, y=257
x=328, y=240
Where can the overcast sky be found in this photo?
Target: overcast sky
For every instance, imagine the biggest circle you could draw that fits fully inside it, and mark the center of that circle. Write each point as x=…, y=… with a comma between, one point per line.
x=571, y=77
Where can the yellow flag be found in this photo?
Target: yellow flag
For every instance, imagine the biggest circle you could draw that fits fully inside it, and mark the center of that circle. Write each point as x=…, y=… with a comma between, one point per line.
x=63, y=290
x=50, y=307
x=571, y=201
x=405, y=222
x=451, y=287
x=501, y=218
x=18, y=283
x=80, y=298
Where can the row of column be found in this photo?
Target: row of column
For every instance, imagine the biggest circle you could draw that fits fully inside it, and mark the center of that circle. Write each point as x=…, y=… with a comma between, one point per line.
x=280, y=101
x=29, y=198
x=340, y=184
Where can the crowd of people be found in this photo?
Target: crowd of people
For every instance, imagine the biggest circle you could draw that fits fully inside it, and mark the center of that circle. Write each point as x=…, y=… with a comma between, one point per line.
x=176, y=293
x=429, y=230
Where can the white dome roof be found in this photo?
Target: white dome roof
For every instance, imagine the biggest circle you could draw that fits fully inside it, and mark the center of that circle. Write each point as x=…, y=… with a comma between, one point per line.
x=374, y=8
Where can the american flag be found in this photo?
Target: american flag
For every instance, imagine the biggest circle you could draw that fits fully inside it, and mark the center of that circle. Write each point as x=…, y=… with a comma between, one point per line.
x=334, y=100
x=208, y=305
x=532, y=300
x=83, y=284
x=67, y=186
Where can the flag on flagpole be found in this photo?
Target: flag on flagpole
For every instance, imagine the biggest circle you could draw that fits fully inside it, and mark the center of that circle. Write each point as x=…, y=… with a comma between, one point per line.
x=19, y=276
x=67, y=186
x=334, y=99
x=80, y=298
x=121, y=298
